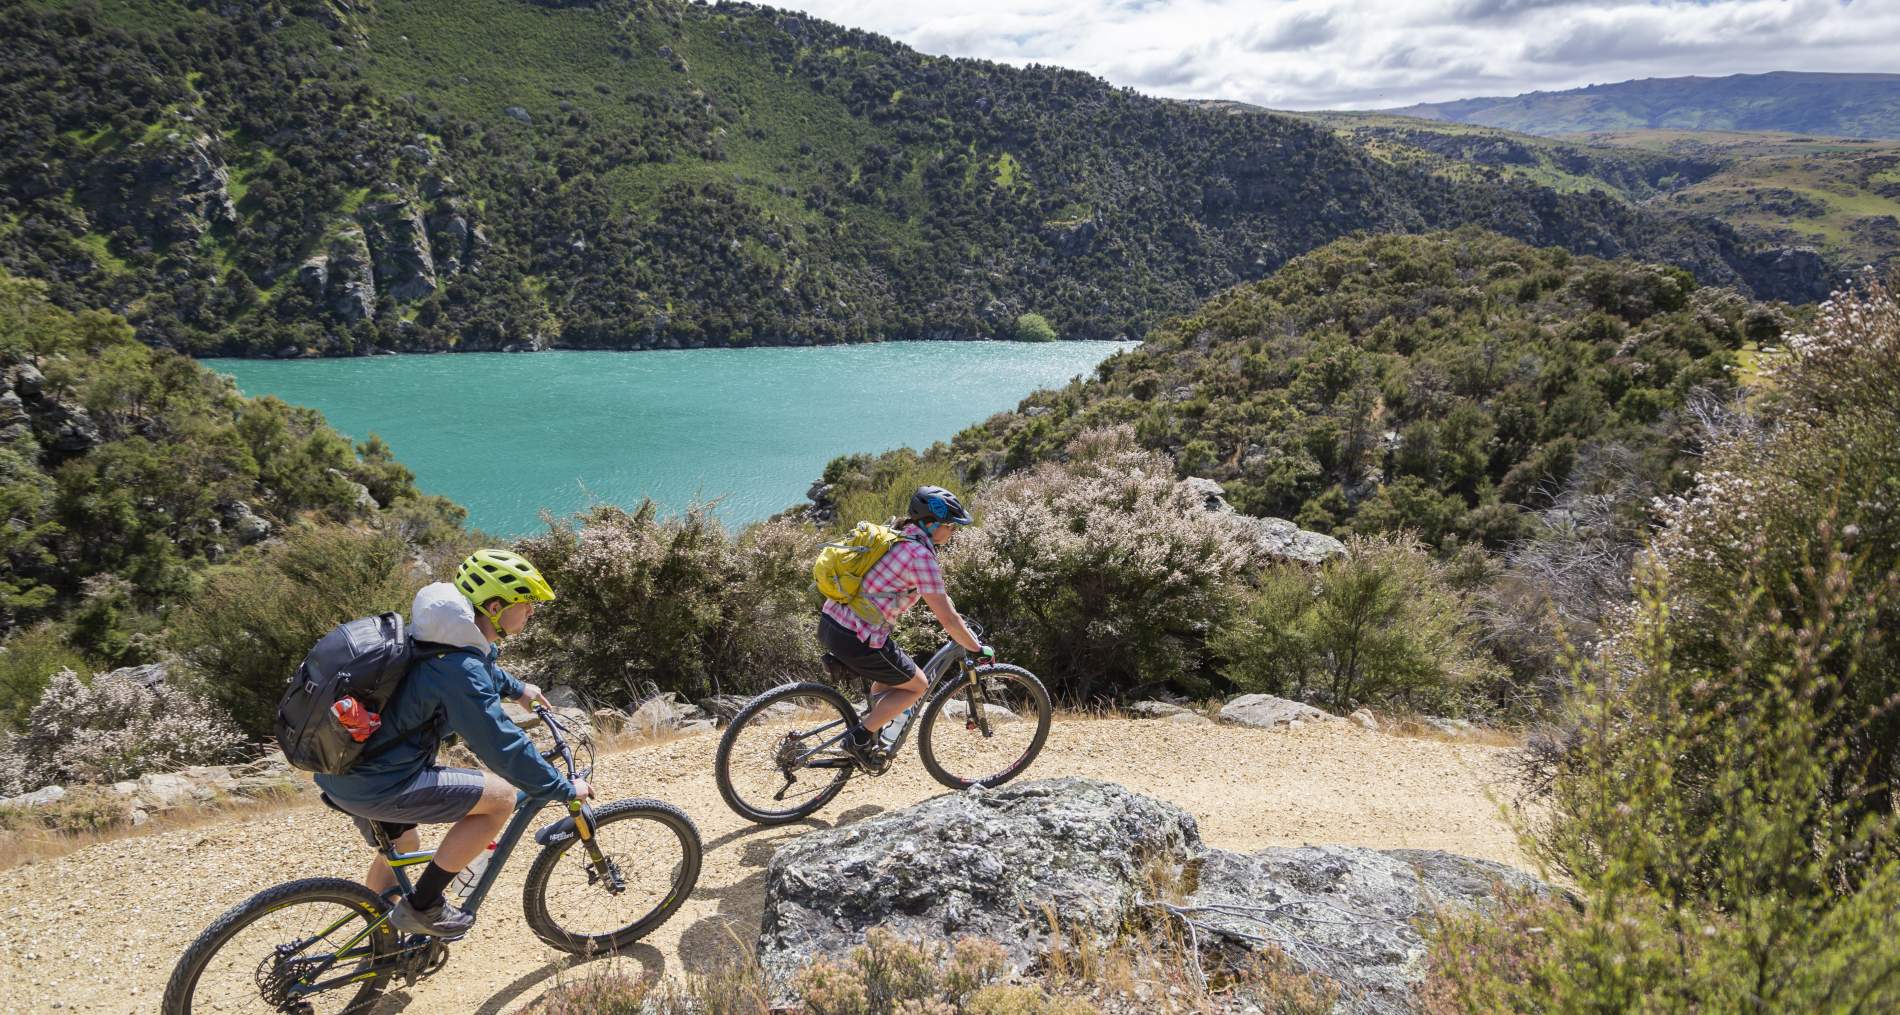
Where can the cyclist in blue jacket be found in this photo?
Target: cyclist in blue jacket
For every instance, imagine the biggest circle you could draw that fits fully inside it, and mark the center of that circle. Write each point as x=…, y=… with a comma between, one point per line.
x=455, y=686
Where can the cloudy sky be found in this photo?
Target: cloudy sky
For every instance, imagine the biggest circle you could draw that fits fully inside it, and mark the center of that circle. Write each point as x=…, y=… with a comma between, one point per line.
x=1362, y=54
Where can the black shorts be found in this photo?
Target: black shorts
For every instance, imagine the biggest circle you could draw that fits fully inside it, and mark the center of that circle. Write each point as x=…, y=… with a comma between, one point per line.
x=886, y=664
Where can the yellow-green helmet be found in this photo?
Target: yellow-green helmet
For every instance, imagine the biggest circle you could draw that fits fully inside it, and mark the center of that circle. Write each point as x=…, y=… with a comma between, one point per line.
x=500, y=574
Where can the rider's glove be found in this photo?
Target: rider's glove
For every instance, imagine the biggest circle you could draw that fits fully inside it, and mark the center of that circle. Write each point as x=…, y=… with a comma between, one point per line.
x=986, y=652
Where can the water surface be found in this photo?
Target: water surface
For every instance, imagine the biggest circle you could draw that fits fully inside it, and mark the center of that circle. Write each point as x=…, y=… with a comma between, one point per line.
x=507, y=436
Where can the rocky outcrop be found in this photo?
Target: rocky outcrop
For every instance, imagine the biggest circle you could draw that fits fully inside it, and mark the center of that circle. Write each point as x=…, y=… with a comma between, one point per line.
x=1000, y=864
x=1275, y=537
x=172, y=189
x=60, y=428
x=1795, y=274
x=350, y=291
x=1264, y=711
x=986, y=864
x=244, y=523
x=399, y=244
x=449, y=237
x=1347, y=914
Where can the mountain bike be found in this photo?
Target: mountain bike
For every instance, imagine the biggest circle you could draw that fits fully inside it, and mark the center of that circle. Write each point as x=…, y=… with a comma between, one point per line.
x=782, y=757
x=605, y=877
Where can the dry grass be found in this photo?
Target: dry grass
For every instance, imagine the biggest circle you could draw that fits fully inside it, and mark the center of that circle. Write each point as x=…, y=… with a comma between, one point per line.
x=83, y=819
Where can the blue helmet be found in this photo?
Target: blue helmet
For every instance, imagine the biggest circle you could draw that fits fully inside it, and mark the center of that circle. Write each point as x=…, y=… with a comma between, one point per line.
x=935, y=502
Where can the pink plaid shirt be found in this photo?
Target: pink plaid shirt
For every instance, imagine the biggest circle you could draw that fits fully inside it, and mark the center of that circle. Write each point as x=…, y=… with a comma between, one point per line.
x=906, y=572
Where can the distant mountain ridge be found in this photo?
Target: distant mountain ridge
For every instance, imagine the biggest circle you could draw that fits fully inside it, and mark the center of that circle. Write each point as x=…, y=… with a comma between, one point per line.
x=1842, y=105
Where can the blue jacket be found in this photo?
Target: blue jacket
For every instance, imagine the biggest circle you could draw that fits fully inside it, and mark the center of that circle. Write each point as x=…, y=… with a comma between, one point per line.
x=455, y=687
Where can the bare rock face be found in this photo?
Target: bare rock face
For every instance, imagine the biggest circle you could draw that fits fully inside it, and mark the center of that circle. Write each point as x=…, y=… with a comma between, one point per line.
x=449, y=237
x=399, y=243
x=351, y=286
x=968, y=864
x=173, y=189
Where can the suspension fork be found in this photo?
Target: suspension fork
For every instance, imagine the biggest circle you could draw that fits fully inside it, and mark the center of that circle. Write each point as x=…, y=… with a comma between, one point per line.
x=596, y=860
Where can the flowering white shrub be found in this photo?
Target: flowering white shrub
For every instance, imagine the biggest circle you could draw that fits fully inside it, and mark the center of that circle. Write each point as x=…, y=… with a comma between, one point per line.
x=113, y=728
x=1100, y=572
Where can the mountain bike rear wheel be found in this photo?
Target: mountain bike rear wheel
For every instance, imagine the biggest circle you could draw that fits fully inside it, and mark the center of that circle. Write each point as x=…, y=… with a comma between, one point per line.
x=984, y=729
x=649, y=864
x=780, y=760
x=307, y=942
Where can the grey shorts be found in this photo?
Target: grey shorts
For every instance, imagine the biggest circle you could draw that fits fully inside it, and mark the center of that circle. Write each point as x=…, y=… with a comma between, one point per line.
x=436, y=796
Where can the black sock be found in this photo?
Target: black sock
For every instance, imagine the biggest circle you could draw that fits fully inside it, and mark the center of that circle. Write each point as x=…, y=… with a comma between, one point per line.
x=860, y=737
x=429, y=886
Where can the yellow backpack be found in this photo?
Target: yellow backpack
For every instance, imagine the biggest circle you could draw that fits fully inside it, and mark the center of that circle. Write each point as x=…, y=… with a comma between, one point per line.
x=841, y=566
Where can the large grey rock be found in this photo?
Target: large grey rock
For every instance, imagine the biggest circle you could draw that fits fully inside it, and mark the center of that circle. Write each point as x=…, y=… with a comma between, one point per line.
x=244, y=523
x=62, y=428
x=1264, y=711
x=352, y=282
x=399, y=244
x=148, y=676
x=41, y=797
x=28, y=381
x=1277, y=537
x=1345, y=913
x=1213, y=495
x=988, y=864
x=1155, y=709
x=14, y=422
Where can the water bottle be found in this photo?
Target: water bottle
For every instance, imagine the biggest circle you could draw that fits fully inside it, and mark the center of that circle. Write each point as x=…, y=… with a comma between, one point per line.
x=893, y=729
x=465, y=882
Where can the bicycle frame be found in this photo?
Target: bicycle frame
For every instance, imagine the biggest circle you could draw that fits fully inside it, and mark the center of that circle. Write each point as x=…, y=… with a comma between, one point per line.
x=938, y=671
x=580, y=816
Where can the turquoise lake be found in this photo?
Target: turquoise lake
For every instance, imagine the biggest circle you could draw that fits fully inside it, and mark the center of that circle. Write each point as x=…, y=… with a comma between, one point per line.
x=508, y=436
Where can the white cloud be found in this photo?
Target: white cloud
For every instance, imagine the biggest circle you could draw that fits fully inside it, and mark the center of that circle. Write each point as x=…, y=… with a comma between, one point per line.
x=1346, y=54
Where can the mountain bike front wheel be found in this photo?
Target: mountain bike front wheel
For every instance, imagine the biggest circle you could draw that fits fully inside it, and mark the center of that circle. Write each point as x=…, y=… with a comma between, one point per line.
x=317, y=945
x=646, y=868
x=985, y=728
x=781, y=758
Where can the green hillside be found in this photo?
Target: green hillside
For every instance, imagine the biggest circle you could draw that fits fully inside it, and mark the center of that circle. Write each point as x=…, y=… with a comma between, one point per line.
x=1843, y=105
x=1450, y=384
x=1840, y=196
x=321, y=177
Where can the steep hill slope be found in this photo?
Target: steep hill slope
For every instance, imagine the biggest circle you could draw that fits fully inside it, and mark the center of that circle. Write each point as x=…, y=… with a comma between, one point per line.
x=1451, y=384
x=419, y=174
x=1844, y=105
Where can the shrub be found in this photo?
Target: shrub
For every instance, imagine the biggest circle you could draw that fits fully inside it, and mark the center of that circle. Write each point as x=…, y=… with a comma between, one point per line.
x=675, y=600
x=255, y=619
x=1100, y=574
x=113, y=728
x=28, y=661
x=1034, y=328
x=83, y=809
x=1722, y=863
x=1771, y=504
x=1382, y=623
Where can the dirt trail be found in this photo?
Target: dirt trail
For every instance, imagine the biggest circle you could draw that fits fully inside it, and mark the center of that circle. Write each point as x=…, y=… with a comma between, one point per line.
x=99, y=930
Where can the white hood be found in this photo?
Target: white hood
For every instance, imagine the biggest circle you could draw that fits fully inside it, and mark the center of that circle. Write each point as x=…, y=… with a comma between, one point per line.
x=443, y=615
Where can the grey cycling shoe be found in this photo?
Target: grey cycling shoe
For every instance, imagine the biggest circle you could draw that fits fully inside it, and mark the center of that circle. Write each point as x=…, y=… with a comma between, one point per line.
x=443, y=921
x=868, y=753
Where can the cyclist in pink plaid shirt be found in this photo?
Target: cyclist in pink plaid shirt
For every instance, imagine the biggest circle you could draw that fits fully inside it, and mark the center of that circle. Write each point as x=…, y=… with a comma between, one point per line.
x=908, y=571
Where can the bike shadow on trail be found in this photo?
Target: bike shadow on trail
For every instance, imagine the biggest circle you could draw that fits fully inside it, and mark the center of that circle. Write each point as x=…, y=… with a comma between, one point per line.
x=544, y=977
x=730, y=931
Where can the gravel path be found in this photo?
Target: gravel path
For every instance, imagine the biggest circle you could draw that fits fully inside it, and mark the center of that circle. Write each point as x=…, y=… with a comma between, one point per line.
x=99, y=930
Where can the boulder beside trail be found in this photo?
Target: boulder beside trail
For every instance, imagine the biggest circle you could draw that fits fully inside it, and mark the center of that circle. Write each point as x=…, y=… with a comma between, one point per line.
x=1001, y=864
x=990, y=864
x=1264, y=711
x=1348, y=914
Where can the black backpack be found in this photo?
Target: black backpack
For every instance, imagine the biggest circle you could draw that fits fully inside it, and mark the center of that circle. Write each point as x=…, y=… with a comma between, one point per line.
x=363, y=659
